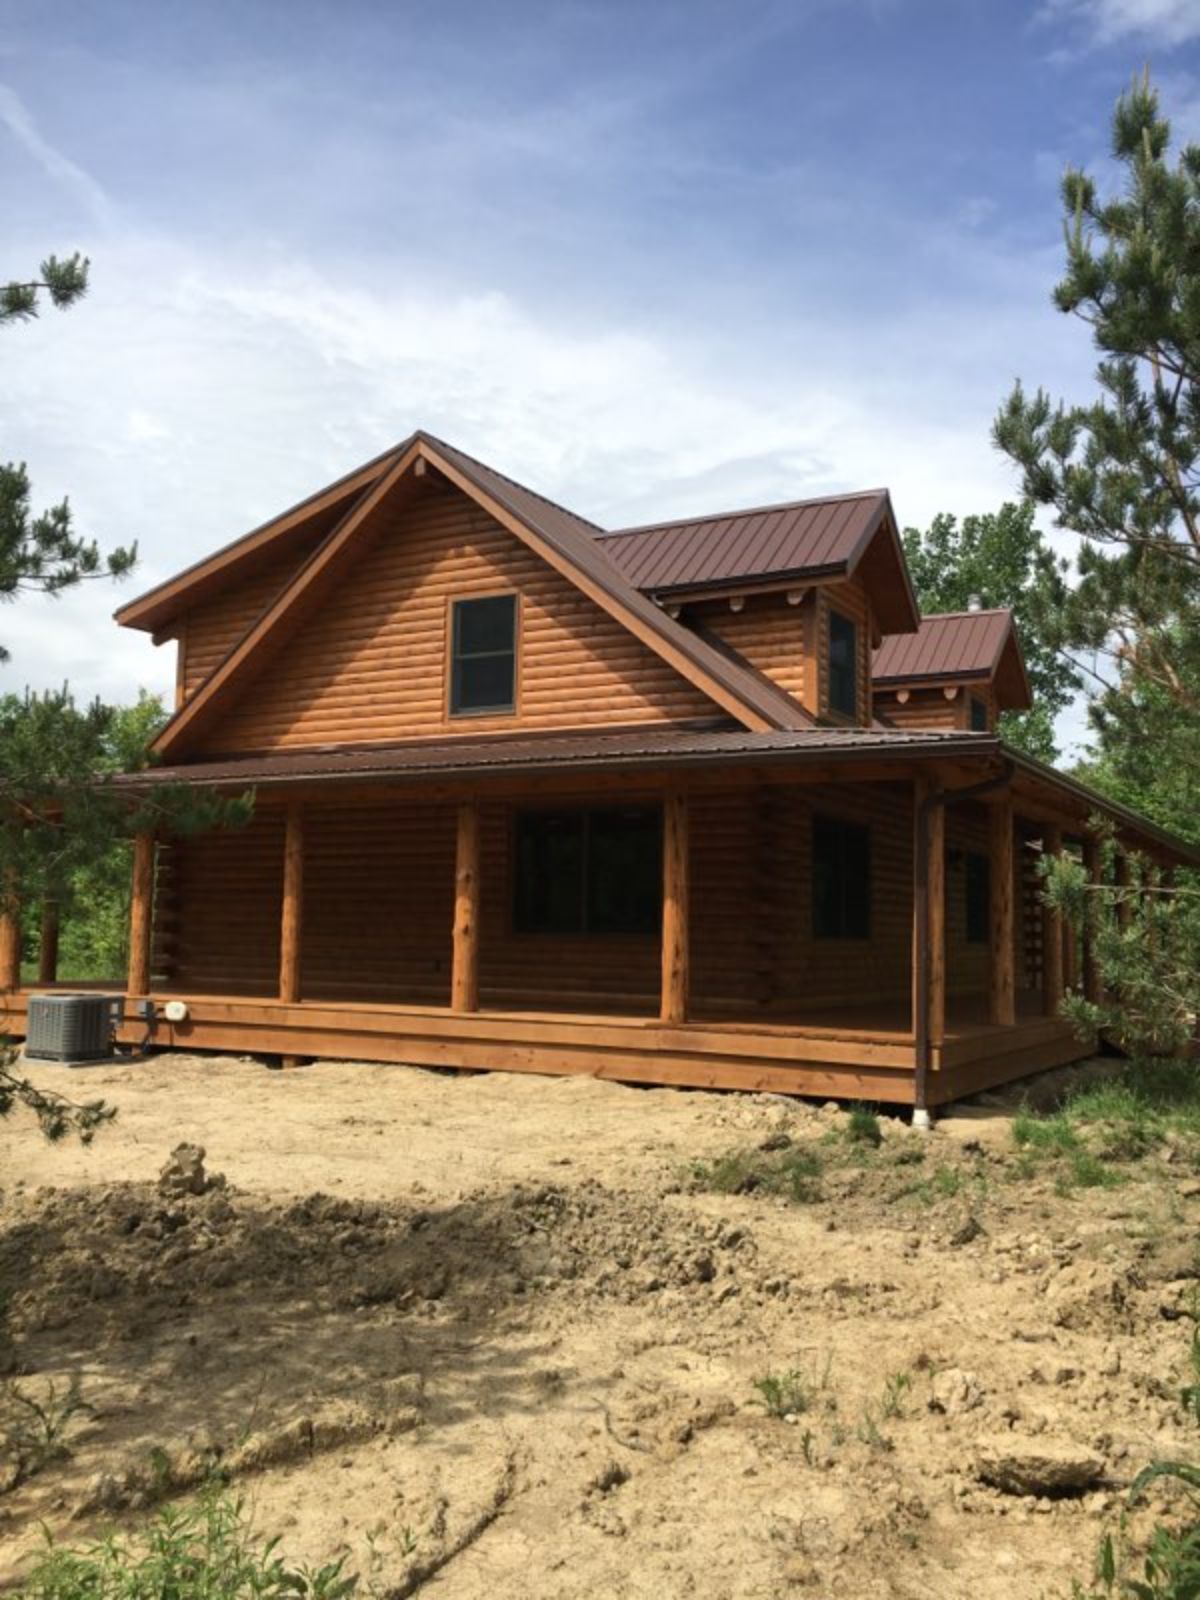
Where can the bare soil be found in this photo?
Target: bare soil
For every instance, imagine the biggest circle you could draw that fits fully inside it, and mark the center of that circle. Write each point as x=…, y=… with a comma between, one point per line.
x=488, y=1335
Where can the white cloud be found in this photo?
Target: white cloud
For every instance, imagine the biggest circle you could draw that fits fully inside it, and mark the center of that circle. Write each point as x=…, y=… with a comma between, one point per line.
x=67, y=174
x=1166, y=22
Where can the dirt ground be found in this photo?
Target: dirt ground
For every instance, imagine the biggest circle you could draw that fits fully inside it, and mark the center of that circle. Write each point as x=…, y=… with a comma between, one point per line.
x=490, y=1335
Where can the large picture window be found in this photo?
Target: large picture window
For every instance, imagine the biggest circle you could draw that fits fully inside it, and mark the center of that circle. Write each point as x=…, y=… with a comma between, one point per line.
x=978, y=889
x=843, y=665
x=483, y=655
x=841, y=879
x=590, y=872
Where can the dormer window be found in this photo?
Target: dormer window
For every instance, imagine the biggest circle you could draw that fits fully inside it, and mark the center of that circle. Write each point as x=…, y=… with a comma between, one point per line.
x=979, y=715
x=843, y=666
x=483, y=656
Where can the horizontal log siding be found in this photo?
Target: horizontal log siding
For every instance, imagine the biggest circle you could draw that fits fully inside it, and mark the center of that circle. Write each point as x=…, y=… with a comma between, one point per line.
x=929, y=708
x=378, y=903
x=210, y=630
x=372, y=664
x=217, y=929
x=767, y=631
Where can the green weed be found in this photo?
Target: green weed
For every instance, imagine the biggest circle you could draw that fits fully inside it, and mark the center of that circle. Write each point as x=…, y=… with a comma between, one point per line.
x=785, y=1394
x=862, y=1127
x=199, y=1552
x=791, y=1174
x=36, y=1432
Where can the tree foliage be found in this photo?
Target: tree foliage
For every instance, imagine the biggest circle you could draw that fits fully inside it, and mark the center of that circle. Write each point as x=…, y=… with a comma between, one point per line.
x=1002, y=558
x=1122, y=471
x=1144, y=936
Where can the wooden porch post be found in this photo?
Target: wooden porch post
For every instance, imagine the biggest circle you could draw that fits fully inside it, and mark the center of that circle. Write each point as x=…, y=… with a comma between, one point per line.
x=464, y=976
x=937, y=924
x=291, y=922
x=10, y=937
x=48, y=944
x=676, y=883
x=1052, y=934
x=1002, y=995
x=1091, y=973
x=141, y=914
x=1124, y=906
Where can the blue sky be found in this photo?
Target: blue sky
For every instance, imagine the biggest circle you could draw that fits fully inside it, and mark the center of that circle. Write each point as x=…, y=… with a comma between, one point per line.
x=651, y=257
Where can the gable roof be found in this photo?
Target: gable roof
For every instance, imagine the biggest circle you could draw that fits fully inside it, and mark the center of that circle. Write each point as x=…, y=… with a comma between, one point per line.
x=958, y=645
x=565, y=541
x=802, y=539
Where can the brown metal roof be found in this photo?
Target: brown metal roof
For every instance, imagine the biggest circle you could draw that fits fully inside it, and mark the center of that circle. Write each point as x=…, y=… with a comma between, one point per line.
x=501, y=753
x=802, y=539
x=957, y=644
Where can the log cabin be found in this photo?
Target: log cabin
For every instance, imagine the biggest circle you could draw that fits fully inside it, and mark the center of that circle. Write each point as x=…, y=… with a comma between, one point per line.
x=705, y=802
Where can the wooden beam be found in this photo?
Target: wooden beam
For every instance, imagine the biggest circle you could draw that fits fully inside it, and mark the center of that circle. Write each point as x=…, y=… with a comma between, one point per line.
x=1002, y=1000
x=1052, y=934
x=48, y=944
x=1091, y=972
x=464, y=976
x=1124, y=878
x=291, y=924
x=141, y=914
x=936, y=881
x=10, y=938
x=676, y=887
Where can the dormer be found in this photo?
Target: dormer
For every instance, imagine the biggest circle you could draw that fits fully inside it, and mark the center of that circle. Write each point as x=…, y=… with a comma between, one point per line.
x=960, y=669
x=804, y=592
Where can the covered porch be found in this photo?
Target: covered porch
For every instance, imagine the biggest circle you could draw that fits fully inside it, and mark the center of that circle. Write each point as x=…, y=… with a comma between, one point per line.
x=385, y=921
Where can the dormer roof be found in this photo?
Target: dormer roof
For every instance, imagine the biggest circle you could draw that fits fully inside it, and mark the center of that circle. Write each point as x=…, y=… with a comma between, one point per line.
x=958, y=646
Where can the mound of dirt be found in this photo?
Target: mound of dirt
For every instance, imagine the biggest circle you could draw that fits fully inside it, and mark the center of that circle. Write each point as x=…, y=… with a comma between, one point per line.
x=128, y=1255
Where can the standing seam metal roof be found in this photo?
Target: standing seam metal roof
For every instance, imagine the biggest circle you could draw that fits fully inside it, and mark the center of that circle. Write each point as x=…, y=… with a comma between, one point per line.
x=947, y=644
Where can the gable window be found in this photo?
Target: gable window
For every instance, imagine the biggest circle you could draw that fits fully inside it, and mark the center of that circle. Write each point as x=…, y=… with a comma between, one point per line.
x=843, y=665
x=978, y=887
x=591, y=872
x=483, y=655
x=841, y=879
x=979, y=715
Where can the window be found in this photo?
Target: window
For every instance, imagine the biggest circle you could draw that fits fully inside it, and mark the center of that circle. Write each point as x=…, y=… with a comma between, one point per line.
x=978, y=897
x=979, y=715
x=841, y=879
x=843, y=665
x=483, y=655
x=588, y=871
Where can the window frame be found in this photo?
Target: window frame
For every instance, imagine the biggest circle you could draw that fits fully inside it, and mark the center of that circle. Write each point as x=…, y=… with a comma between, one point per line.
x=843, y=933
x=453, y=603
x=832, y=614
x=517, y=925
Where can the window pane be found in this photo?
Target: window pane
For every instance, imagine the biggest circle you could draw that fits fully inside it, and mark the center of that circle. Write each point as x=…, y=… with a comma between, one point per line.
x=484, y=625
x=843, y=665
x=841, y=879
x=549, y=873
x=978, y=885
x=624, y=889
x=483, y=683
x=979, y=715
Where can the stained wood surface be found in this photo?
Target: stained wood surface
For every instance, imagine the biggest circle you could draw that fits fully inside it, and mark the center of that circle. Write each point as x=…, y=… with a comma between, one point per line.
x=936, y=890
x=291, y=927
x=141, y=914
x=48, y=944
x=464, y=977
x=676, y=965
x=372, y=661
x=10, y=948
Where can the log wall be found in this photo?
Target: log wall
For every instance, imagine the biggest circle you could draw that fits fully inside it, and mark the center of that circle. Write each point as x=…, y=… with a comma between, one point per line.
x=372, y=665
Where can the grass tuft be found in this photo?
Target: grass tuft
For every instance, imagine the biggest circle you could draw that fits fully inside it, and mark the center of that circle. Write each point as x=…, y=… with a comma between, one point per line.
x=791, y=1174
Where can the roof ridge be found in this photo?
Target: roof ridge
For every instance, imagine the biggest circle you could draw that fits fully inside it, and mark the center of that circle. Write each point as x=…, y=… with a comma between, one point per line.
x=971, y=611
x=744, y=511
x=444, y=444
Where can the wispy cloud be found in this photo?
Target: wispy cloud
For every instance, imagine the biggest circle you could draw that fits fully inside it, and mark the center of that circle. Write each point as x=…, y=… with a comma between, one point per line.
x=67, y=174
x=1166, y=22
